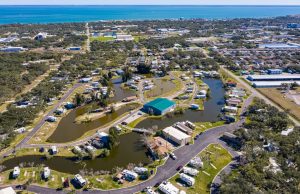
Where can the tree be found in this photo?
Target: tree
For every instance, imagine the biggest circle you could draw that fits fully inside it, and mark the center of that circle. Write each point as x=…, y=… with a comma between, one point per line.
x=79, y=99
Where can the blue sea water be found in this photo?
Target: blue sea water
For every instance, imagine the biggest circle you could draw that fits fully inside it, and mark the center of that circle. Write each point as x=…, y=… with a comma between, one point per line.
x=67, y=13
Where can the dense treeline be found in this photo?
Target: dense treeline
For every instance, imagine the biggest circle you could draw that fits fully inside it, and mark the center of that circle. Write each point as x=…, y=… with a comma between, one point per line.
x=260, y=141
x=14, y=75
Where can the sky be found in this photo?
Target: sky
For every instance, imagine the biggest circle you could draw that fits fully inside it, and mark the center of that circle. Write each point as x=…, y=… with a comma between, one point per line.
x=149, y=2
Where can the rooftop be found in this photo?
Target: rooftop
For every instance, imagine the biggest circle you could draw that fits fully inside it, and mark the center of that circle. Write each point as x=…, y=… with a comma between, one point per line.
x=160, y=103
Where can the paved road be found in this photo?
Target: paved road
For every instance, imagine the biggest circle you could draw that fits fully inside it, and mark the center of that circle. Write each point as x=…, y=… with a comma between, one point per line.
x=43, y=120
x=184, y=155
x=88, y=48
x=259, y=95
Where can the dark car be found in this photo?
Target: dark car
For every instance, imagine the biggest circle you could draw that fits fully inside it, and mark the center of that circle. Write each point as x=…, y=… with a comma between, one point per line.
x=179, y=168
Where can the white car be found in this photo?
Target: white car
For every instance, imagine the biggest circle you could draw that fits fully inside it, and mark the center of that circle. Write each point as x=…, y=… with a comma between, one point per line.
x=172, y=155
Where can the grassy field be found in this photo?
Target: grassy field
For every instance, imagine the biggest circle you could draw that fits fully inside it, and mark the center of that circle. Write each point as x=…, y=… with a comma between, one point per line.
x=278, y=98
x=136, y=121
x=215, y=158
x=203, y=126
x=102, y=38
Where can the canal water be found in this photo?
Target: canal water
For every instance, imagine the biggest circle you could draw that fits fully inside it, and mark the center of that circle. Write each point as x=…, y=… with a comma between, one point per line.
x=119, y=92
x=130, y=150
x=212, y=109
x=69, y=130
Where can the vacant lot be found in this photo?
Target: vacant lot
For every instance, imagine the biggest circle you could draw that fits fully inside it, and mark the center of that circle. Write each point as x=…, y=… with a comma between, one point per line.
x=281, y=100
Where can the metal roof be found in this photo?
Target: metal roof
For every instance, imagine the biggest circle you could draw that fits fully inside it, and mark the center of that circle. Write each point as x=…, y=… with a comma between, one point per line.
x=160, y=104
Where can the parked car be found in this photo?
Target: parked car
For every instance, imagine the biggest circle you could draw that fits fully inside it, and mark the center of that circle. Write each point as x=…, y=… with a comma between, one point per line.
x=172, y=155
x=179, y=168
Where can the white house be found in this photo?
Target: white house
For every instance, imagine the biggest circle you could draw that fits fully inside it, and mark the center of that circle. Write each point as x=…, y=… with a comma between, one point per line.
x=46, y=172
x=232, y=109
x=168, y=188
x=196, y=162
x=54, y=150
x=7, y=190
x=130, y=175
x=20, y=130
x=81, y=181
x=140, y=170
x=190, y=171
x=190, y=181
x=16, y=172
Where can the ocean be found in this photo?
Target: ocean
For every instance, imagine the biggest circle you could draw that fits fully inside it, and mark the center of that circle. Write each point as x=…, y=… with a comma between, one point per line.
x=67, y=13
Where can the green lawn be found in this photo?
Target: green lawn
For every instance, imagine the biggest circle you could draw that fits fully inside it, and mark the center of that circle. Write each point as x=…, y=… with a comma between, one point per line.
x=203, y=126
x=102, y=38
x=213, y=156
x=136, y=121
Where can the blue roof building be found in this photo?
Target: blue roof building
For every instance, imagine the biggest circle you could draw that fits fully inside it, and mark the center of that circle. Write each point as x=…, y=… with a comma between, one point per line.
x=159, y=106
x=274, y=71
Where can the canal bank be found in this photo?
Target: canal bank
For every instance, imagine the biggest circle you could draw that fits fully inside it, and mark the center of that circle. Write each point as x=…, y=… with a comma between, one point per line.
x=212, y=109
x=130, y=150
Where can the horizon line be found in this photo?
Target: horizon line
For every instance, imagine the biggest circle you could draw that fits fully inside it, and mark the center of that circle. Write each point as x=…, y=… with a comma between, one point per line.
x=150, y=4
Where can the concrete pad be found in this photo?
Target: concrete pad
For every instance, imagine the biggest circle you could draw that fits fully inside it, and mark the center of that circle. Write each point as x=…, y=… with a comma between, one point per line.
x=206, y=173
x=213, y=166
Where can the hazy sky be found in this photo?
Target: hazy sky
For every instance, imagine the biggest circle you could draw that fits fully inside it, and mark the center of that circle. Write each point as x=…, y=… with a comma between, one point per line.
x=149, y=2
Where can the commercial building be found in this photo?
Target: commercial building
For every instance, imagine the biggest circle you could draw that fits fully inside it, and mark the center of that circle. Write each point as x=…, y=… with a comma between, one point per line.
x=274, y=71
x=272, y=84
x=281, y=77
x=124, y=37
x=168, y=188
x=159, y=106
x=279, y=46
x=7, y=190
x=173, y=134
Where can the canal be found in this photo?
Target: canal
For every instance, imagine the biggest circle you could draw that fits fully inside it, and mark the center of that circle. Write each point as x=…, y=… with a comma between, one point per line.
x=212, y=109
x=69, y=130
x=130, y=150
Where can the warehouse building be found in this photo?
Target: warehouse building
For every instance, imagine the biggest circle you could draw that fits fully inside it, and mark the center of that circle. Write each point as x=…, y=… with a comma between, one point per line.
x=280, y=77
x=272, y=84
x=176, y=136
x=159, y=106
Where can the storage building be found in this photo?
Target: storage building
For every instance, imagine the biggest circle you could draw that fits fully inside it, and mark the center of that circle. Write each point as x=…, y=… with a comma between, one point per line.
x=159, y=106
x=176, y=136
